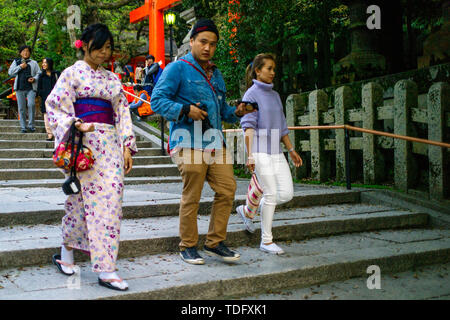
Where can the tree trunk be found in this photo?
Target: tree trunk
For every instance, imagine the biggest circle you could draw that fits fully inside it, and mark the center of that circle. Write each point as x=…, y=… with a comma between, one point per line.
x=38, y=26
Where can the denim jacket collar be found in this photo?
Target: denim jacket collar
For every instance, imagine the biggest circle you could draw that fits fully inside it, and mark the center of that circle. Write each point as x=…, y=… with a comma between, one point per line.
x=189, y=57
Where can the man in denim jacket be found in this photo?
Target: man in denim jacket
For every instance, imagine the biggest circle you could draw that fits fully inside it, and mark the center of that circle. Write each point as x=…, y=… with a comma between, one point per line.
x=191, y=95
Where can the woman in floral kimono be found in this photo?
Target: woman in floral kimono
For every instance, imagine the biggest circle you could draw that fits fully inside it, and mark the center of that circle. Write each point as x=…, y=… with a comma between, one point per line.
x=93, y=97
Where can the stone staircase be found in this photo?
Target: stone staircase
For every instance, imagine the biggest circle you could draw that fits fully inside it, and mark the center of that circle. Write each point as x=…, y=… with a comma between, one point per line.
x=328, y=233
x=25, y=159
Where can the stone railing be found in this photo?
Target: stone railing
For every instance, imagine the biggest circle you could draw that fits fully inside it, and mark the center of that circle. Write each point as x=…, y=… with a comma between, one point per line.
x=408, y=113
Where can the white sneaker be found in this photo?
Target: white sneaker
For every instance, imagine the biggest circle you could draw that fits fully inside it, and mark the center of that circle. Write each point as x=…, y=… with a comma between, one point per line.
x=271, y=248
x=247, y=221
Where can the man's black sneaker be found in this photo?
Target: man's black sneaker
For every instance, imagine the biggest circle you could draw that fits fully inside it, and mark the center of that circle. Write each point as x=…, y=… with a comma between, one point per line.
x=190, y=255
x=223, y=252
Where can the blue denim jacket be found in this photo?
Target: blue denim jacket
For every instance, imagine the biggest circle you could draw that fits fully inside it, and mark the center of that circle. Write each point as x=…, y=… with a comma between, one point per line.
x=181, y=84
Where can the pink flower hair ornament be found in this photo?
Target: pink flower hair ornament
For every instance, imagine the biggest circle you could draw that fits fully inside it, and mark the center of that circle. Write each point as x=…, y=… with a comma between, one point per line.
x=78, y=44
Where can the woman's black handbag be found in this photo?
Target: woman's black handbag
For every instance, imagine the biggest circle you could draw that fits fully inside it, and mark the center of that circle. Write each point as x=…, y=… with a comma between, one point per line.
x=72, y=184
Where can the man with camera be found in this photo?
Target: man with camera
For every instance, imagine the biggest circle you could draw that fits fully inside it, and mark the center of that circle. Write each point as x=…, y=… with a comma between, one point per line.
x=152, y=72
x=191, y=95
x=26, y=72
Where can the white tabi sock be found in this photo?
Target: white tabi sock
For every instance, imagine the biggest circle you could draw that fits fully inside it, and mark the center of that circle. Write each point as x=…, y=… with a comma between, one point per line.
x=67, y=257
x=113, y=275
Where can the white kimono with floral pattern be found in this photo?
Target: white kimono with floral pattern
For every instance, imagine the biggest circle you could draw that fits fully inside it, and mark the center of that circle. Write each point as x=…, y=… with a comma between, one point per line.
x=93, y=217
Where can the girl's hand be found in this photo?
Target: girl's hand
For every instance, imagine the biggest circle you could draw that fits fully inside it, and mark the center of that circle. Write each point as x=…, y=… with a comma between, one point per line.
x=84, y=127
x=127, y=160
x=251, y=164
x=296, y=158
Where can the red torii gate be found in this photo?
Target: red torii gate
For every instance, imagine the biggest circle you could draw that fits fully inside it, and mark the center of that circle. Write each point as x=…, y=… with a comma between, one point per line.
x=154, y=10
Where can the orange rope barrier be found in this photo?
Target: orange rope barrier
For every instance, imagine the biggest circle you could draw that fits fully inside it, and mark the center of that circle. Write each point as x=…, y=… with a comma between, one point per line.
x=380, y=133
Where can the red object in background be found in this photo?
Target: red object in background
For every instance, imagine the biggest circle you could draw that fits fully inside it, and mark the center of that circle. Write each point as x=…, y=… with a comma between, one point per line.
x=12, y=95
x=233, y=19
x=154, y=10
x=130, y=90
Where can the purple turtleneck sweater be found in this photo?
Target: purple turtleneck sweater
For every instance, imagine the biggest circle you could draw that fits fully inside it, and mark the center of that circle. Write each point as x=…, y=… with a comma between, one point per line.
x=269, y=121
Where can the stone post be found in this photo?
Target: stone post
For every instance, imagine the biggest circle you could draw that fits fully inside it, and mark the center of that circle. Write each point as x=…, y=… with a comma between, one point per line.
x=343, y=100
x=373, y=162
x=295, y=106
x=318, y=102
x=405, y=98
x=438, y=102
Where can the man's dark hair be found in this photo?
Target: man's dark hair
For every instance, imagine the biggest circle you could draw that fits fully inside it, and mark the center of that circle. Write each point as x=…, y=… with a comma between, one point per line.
x=23, y=48
x=99, y=34
x=150, y=57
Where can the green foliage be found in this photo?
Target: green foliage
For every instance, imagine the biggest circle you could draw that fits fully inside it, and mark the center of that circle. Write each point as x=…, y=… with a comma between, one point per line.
x=241, y=171
x=343, y=184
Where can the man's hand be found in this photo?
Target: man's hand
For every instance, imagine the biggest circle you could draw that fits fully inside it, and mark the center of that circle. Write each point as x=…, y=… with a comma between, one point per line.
x=196, y=113
x=84, y=127
x=241, y=110
x=23, y=65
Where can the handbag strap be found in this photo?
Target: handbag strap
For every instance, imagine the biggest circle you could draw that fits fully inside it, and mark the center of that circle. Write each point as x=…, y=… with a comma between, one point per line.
x=73, y=130
x=206, y=78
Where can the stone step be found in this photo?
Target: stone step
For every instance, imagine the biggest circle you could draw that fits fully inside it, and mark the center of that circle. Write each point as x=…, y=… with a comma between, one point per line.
x=33, y=163
x=14, y=122
x=25, y=144
x=32, y=136
x=48, y=152
x=421, y=283
x=56, y=183
x=33, y=245
x=46, y=206
x=17, y=129
x=54, y=173
x=305, y=263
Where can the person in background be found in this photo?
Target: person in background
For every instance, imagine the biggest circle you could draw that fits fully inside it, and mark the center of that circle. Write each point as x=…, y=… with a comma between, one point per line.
x=141, y=93
x=118, y=70
x=46, y=81
x=129, y=73
x=152, y=72
x=138, y=73
x=26, y=72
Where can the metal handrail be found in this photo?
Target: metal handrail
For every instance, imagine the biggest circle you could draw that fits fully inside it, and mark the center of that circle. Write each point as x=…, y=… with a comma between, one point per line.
x=381, y=133
x=347, y=127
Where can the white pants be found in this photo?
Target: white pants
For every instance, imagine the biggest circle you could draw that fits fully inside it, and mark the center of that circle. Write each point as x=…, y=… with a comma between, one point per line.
x=274, y=176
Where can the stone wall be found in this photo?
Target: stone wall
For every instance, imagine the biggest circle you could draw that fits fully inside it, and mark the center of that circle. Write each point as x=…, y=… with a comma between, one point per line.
x=407, y=111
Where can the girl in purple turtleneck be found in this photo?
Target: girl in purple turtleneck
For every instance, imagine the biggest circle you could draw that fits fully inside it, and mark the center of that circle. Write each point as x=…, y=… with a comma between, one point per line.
x=264, y=132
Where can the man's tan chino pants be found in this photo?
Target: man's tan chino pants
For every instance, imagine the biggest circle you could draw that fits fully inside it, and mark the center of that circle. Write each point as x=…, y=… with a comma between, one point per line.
x=195, y=167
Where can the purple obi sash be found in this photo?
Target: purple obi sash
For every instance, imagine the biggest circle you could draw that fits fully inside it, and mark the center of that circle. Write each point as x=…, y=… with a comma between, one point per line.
x=94, y=110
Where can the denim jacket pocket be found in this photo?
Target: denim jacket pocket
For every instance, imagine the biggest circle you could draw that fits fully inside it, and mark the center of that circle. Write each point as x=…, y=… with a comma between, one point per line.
x=199, y=90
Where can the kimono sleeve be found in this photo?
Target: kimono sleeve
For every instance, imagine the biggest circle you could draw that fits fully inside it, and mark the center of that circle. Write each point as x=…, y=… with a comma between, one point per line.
x=124, y=125
x=59, y=105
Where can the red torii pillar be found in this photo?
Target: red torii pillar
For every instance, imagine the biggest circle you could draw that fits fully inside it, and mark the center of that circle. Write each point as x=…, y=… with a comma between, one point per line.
x=154, y=10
